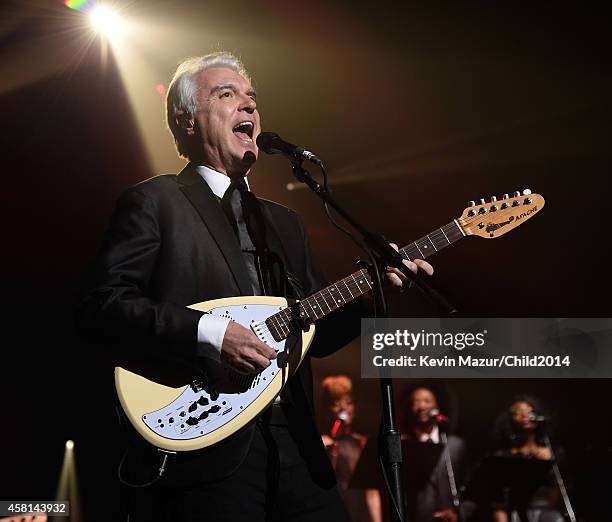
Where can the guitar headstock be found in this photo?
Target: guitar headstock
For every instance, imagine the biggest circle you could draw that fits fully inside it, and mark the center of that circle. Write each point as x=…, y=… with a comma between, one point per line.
x=495, y=218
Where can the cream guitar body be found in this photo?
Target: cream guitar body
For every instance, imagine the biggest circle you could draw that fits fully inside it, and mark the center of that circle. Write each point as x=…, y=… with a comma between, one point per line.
x=209, y=409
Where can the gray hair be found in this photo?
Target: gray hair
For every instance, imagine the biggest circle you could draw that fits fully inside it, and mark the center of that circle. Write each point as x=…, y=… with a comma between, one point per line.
x=183, y=91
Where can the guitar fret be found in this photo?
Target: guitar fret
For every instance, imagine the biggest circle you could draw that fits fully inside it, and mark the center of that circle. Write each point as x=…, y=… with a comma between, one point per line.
x=439, y=240
x=432, y=243
x=341, y=294
x=442, y=230
x=272, y=325
x=281, y=323
x=307, y=300
x=416, y=245
x=347, y=287
x=325, y=301
x=315, y=307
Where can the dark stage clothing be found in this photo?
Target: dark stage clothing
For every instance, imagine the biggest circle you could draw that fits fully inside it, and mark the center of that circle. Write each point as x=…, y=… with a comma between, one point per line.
x=285, y=485
x=169, y=245
x=344, y=453
x=541, y=504
x=427, y=488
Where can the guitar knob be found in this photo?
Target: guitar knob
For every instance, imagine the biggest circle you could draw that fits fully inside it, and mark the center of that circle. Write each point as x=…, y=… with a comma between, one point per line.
x=471, y=213
x=526, y=192
x=494, y=208
x=482, y=201
x=528, y=201
x=482, y=211
x=471, y=203
x=504, y=205
x=506, y=196
x=515, y=203
x=516, y=194
x=493, y=199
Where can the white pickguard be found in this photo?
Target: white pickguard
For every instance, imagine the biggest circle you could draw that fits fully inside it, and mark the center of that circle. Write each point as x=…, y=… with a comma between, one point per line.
x=198, y=413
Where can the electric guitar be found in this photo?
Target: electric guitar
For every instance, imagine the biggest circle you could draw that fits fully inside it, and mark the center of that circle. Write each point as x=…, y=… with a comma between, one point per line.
x=186, y=412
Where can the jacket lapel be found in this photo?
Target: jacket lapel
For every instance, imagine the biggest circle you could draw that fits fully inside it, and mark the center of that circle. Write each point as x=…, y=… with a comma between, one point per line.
x=198, y=193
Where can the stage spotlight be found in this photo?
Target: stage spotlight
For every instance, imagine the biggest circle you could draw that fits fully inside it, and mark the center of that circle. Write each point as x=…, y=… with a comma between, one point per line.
x=105, y=20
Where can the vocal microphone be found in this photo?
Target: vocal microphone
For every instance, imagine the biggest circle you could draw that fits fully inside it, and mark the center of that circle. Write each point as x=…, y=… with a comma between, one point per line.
x=436, y=416
x=536, y=418
x=272, y=143
x=340, y=420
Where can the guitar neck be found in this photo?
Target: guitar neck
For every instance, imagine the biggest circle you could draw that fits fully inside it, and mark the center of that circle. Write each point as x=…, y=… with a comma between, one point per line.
x=332, y=297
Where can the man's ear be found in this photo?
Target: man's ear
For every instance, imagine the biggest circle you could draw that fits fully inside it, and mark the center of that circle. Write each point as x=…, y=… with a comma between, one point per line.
x=185, y=122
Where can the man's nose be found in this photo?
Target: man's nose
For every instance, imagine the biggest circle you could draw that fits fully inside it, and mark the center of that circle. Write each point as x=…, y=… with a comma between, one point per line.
x=248, y=105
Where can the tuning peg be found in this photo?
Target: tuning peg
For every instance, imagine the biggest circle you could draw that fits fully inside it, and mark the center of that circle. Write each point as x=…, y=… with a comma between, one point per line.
x=471, y=203
x=517, y=193
x=493, y=199
x=526, y=192
x=506, y=196
x=482, y=201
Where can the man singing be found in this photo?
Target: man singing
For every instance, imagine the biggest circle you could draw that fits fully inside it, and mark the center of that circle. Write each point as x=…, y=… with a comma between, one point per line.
x=175, y=240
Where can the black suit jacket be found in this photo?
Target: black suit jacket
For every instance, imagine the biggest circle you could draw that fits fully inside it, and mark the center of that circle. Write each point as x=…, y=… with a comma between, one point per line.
x=170, y=245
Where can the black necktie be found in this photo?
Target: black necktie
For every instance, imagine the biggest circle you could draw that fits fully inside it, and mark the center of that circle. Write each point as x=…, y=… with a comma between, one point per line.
x=233, y=204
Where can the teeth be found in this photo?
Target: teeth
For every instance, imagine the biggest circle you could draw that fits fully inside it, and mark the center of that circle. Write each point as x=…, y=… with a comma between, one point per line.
x=248, y=125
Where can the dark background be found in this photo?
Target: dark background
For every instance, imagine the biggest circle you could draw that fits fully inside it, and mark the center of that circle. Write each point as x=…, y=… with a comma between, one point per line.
x=415, y=111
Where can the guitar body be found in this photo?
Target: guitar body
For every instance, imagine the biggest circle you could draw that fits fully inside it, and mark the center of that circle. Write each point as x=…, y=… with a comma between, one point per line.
x=183, y=412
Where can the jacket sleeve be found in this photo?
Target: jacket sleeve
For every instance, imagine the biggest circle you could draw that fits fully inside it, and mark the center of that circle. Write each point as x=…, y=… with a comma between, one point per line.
x=117, y=305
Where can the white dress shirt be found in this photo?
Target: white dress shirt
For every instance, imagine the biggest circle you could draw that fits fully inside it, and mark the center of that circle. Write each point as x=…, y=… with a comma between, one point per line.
x=211, y=328
x=434, y=436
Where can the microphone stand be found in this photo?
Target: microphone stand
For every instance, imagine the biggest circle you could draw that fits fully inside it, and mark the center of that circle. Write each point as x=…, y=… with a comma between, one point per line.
x=449, y=471
x=390, y=450
x=558, y=476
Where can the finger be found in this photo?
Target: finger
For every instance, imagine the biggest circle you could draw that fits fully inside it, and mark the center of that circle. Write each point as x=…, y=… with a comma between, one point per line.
x=411, y=266
x=394, y=246
x=243, y=366
x=265, y=350
x=425, y=266
x=256, y=359
x=394, y=279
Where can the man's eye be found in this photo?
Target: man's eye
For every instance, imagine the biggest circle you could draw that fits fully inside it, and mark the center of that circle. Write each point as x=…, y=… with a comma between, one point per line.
x=226, y=94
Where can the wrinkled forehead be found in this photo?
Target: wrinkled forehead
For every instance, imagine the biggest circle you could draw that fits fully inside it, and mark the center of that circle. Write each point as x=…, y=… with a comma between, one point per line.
x=213, y=77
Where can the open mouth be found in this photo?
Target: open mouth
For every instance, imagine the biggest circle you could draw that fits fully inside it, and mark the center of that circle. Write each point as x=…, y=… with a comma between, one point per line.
x=244, y=130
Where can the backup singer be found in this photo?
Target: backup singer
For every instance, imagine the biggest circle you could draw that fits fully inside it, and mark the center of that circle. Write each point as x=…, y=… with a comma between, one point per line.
x=344, y=446
x=427, y=487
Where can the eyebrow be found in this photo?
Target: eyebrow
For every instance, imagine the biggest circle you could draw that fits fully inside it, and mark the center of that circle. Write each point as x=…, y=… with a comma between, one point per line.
x=233, y=87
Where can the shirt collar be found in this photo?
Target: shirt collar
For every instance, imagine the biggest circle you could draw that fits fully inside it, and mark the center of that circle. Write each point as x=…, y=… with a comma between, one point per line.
x=217, y=181
x=434, y=436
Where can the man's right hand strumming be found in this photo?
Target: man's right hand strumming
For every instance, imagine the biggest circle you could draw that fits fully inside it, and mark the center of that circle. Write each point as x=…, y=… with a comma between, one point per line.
x=243, y=351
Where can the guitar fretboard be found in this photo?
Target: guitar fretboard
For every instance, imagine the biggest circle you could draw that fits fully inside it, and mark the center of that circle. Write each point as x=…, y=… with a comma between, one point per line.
x=332, y=297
